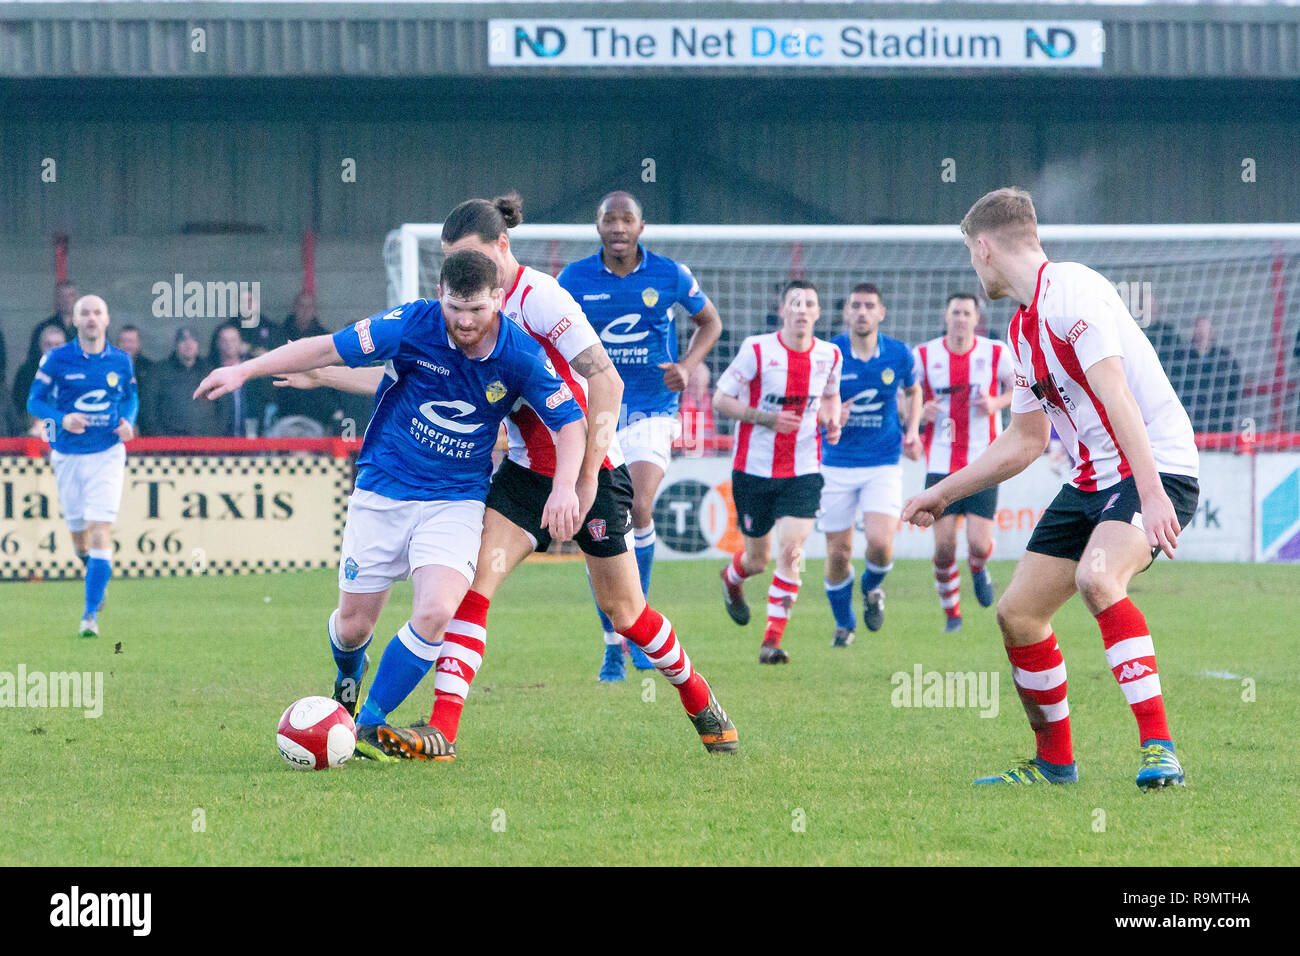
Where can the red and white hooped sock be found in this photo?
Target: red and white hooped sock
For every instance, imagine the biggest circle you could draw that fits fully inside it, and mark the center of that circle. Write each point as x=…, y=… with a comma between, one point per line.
x=1039, y=673
x=977, y=561
x=947, y=581
x=735, y=571
x=654, y=634
x=463, y=644
x=1132, y=659
x=780, y=599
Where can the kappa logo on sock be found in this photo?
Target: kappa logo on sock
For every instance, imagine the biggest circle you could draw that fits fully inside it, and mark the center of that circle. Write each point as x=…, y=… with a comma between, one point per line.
x=1134, y=669
x=449, y=665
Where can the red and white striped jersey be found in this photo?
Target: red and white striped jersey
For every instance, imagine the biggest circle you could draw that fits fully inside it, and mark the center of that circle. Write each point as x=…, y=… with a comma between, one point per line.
x=552, y=317
x=1075, y=320
x=770, y=377
x=960, y=432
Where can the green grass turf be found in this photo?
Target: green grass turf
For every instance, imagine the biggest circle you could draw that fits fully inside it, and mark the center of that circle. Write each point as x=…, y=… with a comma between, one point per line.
x=572, y=771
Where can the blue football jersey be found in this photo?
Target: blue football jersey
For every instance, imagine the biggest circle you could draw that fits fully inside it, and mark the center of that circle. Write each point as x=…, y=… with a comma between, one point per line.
x=873, y=434
x=437, y=411
x=634, y=318
x=99, y=385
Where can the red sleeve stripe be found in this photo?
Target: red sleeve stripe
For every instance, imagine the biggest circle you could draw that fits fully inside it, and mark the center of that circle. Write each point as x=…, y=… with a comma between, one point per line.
x=993, y=391
x=565, y=372
x=537, y=439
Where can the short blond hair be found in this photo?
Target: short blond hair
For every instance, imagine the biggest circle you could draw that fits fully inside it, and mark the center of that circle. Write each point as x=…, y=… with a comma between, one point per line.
x=1008, y=211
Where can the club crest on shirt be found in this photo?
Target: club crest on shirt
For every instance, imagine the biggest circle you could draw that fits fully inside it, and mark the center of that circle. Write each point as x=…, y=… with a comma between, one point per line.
x=496, y=391
x=350, y=569
x=887, y=376
x=596, y=528
x=650, y=296
x=111, y=378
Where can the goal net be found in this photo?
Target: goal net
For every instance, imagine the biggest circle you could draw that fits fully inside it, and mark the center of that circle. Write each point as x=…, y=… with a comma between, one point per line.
x=1221, y=303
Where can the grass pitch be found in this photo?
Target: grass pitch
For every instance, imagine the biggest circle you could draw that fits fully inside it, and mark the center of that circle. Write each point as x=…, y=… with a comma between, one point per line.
x=555, y=768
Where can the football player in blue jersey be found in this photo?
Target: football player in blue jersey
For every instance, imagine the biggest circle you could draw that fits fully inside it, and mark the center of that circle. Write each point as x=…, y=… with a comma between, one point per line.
x=628, y=294
x=862, y=472
x=455, y=368
x=86, y=393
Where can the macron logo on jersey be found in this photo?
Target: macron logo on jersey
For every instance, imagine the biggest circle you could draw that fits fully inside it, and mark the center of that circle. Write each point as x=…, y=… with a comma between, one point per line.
x=363, y=336
x=1079, y=328
x=461, y=408
x=617, y=332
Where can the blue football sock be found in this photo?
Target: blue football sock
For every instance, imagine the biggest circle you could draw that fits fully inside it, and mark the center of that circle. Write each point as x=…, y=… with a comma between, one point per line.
x=873, y=574
x=841, y=598
x=645, y=554
x=99, y=568
x=350, y=660
x=406, y=660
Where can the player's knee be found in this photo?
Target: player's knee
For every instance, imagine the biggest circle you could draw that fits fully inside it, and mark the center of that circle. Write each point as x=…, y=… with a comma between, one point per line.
x=642, y=514
x=430, y=620
x=1097, y=588
x=879, y=552
x=353, y=629
x=623, y=614
x=944, y=556
x=792, y=556
x=1011, y=619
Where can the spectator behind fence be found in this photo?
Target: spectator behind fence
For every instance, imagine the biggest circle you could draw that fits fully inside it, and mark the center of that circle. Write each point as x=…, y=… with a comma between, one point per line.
x=239, y=414
x=259, y=335
x=1164, y=338
x=172, y=410
x=20, y=423
x=1208, y=381
x=128, y=340
x=321, y=405
x=65, y=295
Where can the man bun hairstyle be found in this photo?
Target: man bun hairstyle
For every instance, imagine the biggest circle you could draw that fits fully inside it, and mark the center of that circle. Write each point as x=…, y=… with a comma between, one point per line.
x=1008, y=211
x=485, y=218
x=467, y=274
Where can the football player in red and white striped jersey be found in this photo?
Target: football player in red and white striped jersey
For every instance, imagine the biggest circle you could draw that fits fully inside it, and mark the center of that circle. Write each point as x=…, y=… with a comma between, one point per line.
x=780, y=387
x=512, y=527
x=966, y=383
x=1083, y=366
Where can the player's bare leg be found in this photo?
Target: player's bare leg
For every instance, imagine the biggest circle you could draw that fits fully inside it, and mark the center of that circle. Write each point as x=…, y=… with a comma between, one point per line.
x=750, y=560
x=879, y=529
x=1040, y=585
x=947, y=577
x=1116, y=551
x=97, y=540
x=617, y=586
x=350, y=627
x=839, y=583
x=791, y=536
x=503, y=547
x=647, y=476
x=979, y=547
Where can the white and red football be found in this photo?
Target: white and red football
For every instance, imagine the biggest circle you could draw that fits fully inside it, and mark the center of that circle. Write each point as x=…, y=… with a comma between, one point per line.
x=316, y=733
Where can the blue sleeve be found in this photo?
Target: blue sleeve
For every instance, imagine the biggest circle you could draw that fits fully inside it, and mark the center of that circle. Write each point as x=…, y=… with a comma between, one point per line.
x=131, y=404
x=906, y=367
x=377, y=338
x=38, y=395
x=549, y=395
x=565, y=279
x=689, y=294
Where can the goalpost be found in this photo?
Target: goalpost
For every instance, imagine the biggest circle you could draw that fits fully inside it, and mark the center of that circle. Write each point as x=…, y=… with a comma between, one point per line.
x=1243, y=279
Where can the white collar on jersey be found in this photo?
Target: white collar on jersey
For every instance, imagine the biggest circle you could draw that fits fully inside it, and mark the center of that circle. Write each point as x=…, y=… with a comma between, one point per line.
x=874, y=355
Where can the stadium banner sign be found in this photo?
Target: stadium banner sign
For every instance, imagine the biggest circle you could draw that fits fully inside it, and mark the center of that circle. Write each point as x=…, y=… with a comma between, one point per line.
x=185, y=515
x=933, y=43
x=694, y=516
x=1277, y=511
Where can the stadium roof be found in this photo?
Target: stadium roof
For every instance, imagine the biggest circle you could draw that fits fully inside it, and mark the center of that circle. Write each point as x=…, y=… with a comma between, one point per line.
x=417, y=39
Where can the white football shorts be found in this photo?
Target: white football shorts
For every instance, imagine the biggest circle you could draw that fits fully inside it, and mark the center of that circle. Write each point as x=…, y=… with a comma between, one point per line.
x=90, y=486
x=385, y=540
x=848, y=492
x=650, y=439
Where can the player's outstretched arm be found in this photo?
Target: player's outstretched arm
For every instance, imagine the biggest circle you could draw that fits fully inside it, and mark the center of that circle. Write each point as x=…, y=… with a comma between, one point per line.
x=1011, y=453
x=561, y=515
x=358, y=381
x=1108, y=383
x=300, y=356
